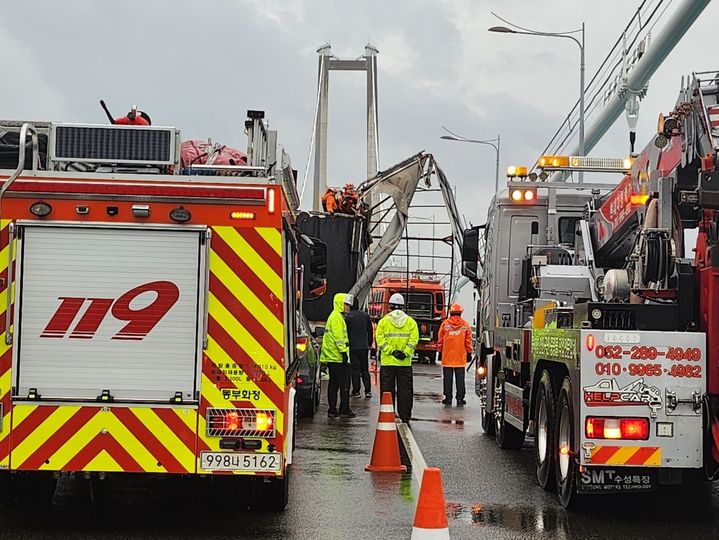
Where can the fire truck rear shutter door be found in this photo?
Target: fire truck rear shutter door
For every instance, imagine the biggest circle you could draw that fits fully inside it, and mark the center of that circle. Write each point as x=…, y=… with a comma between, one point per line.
x=107, y=308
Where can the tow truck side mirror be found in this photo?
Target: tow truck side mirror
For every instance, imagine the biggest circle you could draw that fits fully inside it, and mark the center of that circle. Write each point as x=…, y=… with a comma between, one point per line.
x=470, y=252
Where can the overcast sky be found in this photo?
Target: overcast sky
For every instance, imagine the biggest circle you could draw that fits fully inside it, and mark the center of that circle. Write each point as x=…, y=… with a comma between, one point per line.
x=200, y=65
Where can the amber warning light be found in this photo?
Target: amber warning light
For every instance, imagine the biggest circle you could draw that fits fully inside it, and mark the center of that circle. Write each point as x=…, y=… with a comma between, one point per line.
x=589, y=342
x=523, y=196
x=242, y=215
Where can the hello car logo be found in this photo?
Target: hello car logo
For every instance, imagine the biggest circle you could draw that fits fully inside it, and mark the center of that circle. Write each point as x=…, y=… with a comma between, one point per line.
x=140, y=322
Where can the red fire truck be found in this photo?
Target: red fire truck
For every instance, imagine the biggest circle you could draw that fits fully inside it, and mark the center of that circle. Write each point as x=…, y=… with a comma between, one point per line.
x=147, y=309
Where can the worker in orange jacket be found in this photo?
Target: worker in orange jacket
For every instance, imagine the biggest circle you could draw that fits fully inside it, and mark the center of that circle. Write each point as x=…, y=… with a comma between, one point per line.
x=329, y=201
x=455, y=347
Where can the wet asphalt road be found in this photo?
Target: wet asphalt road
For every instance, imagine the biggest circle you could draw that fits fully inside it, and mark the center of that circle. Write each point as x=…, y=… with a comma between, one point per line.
x=490, y=493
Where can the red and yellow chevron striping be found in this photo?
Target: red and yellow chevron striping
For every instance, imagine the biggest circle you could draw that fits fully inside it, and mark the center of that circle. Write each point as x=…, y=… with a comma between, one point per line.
x=243, y=365
x=95, y=438
x=5, y=349
x=650, y=456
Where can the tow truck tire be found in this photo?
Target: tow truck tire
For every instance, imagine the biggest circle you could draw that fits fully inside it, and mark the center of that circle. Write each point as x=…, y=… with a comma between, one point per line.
x=487, y=418
x=507, y=436
x=566, y=468
x=545, y=413
x=274, y=494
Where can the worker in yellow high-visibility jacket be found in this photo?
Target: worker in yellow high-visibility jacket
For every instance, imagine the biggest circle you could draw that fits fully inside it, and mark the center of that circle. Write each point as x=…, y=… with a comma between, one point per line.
x=335, y=354
x=397, y=337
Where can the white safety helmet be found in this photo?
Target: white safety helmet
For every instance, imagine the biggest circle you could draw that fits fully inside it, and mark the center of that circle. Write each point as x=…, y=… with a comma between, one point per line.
x=349, y=299
x=396, y=300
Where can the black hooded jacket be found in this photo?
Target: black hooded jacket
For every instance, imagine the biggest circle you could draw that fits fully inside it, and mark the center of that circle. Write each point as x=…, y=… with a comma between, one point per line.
x=359, y=330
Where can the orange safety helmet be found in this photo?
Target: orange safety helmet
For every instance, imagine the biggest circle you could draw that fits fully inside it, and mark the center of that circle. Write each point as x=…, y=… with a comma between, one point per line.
x=455, y=308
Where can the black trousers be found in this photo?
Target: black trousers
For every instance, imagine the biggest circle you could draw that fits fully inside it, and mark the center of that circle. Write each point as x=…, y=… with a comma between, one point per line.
x=339, y=380
x=360, y=370
x=398, y=380
x=458, y=374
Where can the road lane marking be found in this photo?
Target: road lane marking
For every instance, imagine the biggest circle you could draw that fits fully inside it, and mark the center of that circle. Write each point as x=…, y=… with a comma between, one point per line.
x=413, y=451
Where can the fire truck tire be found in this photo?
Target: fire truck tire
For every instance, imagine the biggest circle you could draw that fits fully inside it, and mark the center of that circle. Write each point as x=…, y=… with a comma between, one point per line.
x=566, y=468
x=6, y=491
x=34, y=488
x=545, y=413
x=306, y=408
x=274, y=494
x=507, y=436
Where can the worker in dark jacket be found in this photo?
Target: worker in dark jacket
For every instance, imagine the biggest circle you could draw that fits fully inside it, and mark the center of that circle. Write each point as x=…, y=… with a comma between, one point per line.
x=360, y=332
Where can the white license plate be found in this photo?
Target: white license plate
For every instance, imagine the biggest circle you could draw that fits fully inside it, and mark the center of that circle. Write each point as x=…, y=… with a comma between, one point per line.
x=236, y=461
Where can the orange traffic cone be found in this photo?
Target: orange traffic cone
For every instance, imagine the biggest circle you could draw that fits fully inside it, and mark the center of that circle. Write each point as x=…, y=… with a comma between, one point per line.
x=430, y=518
x=385, y=452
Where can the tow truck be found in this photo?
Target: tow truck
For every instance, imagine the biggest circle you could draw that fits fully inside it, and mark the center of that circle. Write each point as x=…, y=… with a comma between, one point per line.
x=148, y=309
x=599, y=339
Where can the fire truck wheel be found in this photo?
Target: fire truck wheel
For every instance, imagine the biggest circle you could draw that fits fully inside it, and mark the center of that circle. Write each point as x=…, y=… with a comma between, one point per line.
x=5, y=487
x=306, y=408
x=566, y=469
x=507, y=436
x=545, y=413
x=274, y=494
x=34, y=488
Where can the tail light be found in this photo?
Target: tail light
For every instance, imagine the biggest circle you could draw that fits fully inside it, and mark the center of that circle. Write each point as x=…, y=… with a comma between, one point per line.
x=264, y=421
x=635, y=429
x=240, y=423
x=302, y=343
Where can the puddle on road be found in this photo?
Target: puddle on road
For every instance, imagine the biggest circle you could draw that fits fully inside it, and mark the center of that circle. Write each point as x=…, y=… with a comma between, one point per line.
x=428, y=396
x=447, y=421
x=513, y=518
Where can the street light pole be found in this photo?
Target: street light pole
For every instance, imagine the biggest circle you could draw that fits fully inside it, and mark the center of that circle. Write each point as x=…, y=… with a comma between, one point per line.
x=580, y=44
x=490, y=142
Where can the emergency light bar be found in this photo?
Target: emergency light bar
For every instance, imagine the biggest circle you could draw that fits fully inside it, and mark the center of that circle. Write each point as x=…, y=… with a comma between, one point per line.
x=585, y=164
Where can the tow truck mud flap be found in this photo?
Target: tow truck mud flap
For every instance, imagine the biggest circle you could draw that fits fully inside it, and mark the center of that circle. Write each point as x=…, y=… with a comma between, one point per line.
x=595, y=480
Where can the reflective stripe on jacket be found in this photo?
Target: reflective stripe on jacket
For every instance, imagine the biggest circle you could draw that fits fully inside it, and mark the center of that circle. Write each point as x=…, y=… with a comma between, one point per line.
x=335, y=340
x=454, y=341
x=396, y=331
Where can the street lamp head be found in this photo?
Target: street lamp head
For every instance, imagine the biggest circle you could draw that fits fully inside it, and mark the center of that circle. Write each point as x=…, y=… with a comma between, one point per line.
x=502, y=30
x=449, y=138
